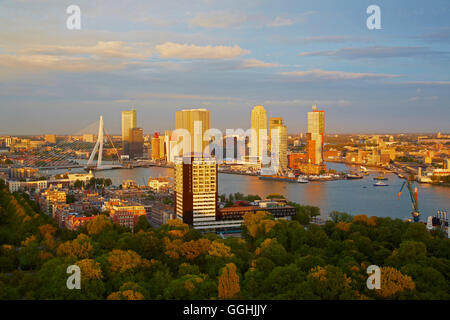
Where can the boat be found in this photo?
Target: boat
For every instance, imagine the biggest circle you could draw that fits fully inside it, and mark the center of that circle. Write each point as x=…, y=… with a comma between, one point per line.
x=278, y=178
x=380, y=178
x=302, y=180
x=380, y=184
x=354, y=176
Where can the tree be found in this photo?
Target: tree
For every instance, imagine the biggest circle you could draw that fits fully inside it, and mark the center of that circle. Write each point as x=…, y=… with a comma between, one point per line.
x=229, y=282
x=78, y=184
x=80, y=248
x=330, y=283
x=142, y=224
x=417, y=232
x=121, y=260
x=337, y=217
x=393, y=282
x=98, y=224
x=275, y=196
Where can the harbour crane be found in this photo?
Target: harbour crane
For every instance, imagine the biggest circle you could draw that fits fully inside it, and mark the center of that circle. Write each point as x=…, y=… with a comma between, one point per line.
x=413, y=195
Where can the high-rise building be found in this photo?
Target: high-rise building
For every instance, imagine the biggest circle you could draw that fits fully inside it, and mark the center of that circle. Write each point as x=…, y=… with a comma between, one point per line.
x=158, y=147
x=196, y=122
x=88, y=137
x=136, y=143
x=278, y=133
x=128, y=123
x=258, y=140
x=196, y=190
x=315, y=135
x=50, y=138
x=170, y=142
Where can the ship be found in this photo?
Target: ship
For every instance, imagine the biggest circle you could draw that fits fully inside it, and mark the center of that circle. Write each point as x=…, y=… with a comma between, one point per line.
x=302, y=180
x=380, y=184
x=439, y=221
x=354, y=176
x=290, y=178
x=278, y=178
x=380, y=178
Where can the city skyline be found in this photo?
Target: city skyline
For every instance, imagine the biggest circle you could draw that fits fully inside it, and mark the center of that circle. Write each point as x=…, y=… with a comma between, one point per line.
x=226, y=57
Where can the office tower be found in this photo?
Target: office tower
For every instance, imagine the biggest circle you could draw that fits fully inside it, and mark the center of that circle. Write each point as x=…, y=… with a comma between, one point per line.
x=196, y=190
x=170, y=143
x=278, y=142
x=88, y=138
x=315, y=135
x=50, y=138
x=196, y=122
x=136, y=143
x=157, y=146
x=128, y=123
x=162, y=149
x=258, y=142
x=273, y=123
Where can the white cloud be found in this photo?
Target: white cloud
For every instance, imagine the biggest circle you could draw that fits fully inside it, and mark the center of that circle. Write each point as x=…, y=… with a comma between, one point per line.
x=255, y=63
x=318, y=74
x=109, y=49
x=218, y=19
x=30, y=63
x=185, y=51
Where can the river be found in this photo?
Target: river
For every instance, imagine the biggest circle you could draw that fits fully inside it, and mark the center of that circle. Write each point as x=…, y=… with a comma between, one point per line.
x=352, y=196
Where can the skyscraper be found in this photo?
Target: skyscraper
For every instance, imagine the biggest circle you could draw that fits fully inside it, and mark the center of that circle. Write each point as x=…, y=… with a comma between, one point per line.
x=196, y=190
x=278, y=133
x=156, y=155
x=128, y=123
x=258, y=142
x=315, y=135
x=196, y=122
x=136, y=145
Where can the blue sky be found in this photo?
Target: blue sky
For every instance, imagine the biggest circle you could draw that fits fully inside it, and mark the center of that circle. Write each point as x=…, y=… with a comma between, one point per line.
x=226, y=56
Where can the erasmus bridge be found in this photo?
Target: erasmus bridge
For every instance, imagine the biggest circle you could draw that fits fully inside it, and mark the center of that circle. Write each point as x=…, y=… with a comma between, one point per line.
x=99, y=147
x=71, y=151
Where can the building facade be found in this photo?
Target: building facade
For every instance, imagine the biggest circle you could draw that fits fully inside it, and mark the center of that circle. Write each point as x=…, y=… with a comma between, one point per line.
x=196, y=191
x=128, y=123
x=196, y=122
x=315, y=135
x=258, y=139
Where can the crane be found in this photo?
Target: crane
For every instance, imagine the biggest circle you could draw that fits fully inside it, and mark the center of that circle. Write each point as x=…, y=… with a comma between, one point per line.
x=413, y=195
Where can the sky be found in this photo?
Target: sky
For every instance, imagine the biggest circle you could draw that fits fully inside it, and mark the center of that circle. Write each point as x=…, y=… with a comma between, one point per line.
x=226, y=56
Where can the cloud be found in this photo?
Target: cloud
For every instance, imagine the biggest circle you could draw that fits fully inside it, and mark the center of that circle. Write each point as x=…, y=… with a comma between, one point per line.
x=442, y=35
x=307, y=103
x=30, y=63
x=255, y=63
x=320, y=39
x=281, y=22
x=420, y=98
x=219, y=19
x=428, y=83
x=177, y=96
x=109, y=49
x=375, y=52
x=185, y=51
x=318, y=74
